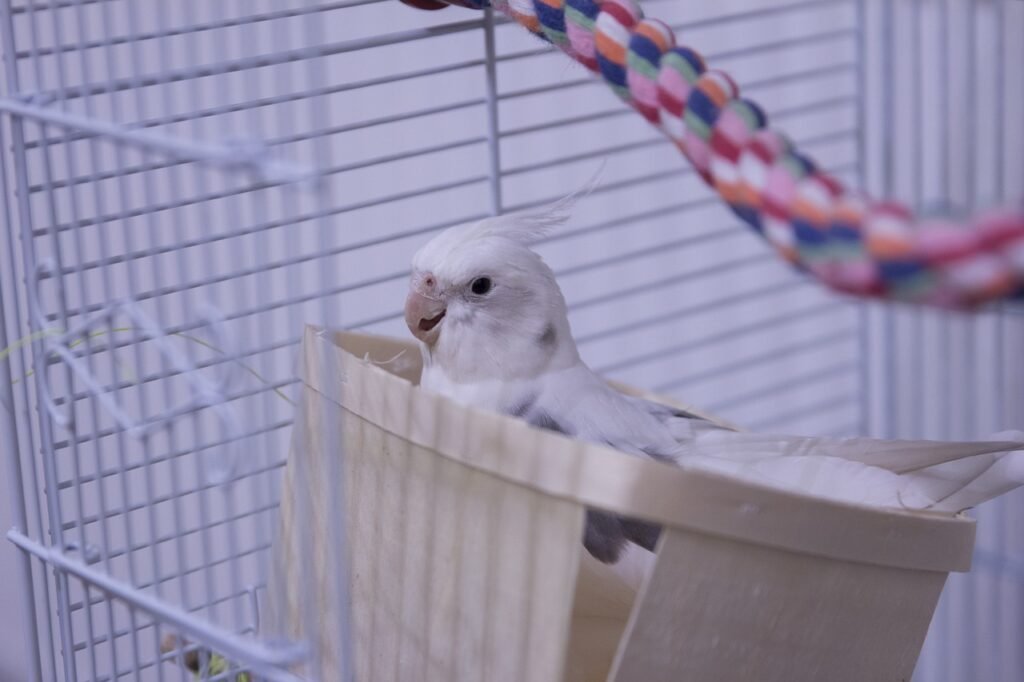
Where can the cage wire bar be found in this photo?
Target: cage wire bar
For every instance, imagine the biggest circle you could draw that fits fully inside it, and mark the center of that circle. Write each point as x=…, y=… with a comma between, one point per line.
x=191, y=183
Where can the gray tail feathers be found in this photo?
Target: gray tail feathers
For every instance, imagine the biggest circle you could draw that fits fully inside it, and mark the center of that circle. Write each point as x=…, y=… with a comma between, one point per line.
x=605, y=535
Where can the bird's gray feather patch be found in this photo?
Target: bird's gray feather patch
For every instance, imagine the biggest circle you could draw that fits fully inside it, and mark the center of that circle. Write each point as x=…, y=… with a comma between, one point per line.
x=687, y=415
x=522, y=408
x=654, y=453
x=660, y=410
x=549, y=337
x=643, y=533
x=543, y=420
x=603, y=536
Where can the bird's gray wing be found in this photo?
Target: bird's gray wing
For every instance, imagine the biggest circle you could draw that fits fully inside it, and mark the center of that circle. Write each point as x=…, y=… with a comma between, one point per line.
x=680, y=426
x=661, y=410
x=683, y=425
x=605, y=534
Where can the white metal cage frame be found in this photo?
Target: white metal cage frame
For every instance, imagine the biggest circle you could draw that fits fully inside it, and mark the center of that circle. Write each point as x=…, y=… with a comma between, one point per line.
x=186, y=184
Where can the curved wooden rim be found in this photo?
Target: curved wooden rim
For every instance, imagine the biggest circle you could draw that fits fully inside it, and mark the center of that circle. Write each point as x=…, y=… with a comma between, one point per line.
x=382, y=393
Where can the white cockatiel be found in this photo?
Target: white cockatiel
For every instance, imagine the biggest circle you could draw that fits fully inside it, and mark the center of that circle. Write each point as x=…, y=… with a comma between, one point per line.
x=494, y=332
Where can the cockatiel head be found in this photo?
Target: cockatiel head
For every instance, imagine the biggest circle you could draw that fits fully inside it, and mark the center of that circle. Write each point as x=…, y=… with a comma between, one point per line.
x=487, y=307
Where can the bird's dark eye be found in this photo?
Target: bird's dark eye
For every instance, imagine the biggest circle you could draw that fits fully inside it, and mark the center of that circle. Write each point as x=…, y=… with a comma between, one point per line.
x=481, y=285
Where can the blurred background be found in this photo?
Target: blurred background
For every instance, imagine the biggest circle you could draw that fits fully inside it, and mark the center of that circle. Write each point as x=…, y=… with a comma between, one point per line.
x=187, y=184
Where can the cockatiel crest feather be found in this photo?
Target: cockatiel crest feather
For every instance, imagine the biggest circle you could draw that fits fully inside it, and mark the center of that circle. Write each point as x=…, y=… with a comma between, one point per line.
x=524, y=228
x=530, y=225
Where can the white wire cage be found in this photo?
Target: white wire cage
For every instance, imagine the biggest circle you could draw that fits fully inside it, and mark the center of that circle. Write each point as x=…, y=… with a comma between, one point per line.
x=189, y=183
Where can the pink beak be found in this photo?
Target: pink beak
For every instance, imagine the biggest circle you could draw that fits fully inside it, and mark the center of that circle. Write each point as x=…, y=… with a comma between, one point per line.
x=424, y=311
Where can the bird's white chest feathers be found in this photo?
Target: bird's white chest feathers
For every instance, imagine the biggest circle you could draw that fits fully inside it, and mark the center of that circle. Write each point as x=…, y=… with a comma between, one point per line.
x=490, y=395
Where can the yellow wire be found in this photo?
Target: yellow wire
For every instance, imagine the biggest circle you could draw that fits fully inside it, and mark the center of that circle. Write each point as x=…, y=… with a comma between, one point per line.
x=35, y=336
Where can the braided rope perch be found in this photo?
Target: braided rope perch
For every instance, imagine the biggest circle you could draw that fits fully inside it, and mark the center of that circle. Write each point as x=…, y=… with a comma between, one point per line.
x=852, y=244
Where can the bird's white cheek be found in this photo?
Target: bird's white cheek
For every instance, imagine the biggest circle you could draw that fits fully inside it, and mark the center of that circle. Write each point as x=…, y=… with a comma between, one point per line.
x=460, y=314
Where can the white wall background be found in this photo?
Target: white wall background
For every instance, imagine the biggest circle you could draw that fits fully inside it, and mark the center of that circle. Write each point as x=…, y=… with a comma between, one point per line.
x=666, y=289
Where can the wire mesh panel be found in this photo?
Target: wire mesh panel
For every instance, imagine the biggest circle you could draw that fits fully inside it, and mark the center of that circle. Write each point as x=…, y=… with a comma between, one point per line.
x=167, y=184
x=191, y=183
x=945, y=127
